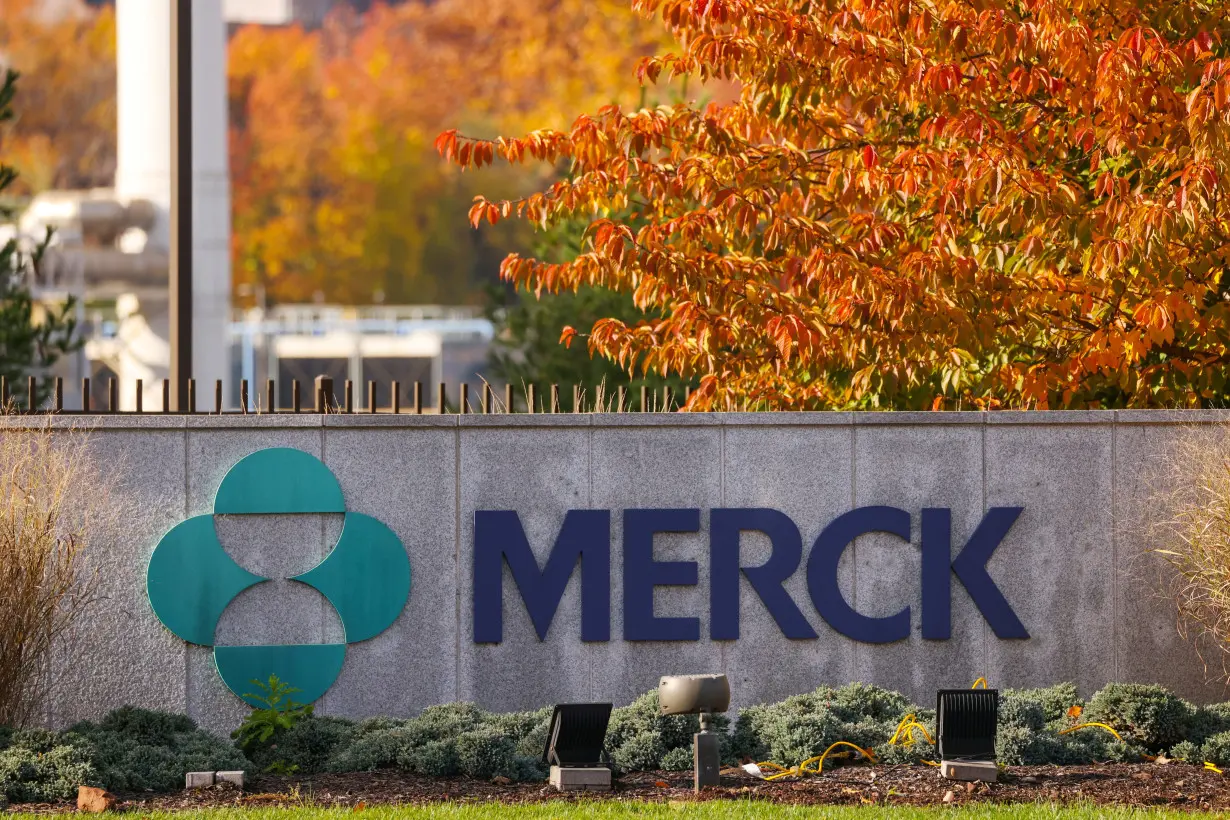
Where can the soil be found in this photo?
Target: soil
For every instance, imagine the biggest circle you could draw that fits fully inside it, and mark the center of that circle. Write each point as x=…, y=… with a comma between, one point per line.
x=1171, y=785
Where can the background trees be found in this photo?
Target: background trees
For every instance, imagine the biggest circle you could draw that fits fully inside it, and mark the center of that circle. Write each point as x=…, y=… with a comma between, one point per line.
x=63, y=136
x=337, y=194
x=1004, y=203
x=31, y=338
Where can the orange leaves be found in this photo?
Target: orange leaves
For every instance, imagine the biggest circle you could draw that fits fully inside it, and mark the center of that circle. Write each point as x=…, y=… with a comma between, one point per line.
x=908, y=205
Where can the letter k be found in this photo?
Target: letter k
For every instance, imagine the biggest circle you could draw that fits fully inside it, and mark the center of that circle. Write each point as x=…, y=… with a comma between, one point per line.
x=970, y=567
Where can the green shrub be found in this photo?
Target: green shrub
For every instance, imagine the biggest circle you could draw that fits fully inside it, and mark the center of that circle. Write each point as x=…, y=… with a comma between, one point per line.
x=29, y=776
x=677, y=760
x=437, y=758
x=1054, y=700
x=147, y=727
x=858, y=702
x=138, y=750
x=638, y=736
x=377, y=749
x=1018, y=710
x=1018, y=745
x=486, y=752
x=1216, y=749
x=306, y=747
x=1187, y=751
x=1144, y=714
x=1208, y=721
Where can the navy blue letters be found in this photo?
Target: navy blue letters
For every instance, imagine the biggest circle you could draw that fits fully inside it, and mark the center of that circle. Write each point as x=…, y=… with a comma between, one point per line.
x=725, y=527
x=585, y=538
x=642, y=574
x=822, y=574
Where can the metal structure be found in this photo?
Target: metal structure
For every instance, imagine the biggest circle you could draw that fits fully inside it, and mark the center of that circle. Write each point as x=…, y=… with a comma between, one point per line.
x=180, y=286
x=377, y=397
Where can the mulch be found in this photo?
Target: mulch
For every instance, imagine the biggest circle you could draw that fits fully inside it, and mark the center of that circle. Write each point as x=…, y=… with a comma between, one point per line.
x=1174, y=785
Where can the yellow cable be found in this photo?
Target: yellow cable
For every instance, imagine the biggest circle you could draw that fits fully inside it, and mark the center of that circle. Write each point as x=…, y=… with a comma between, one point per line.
x=1087, y=725
x=1210, y=767
x=801, y=770
x=930, y=763
x=983, y=681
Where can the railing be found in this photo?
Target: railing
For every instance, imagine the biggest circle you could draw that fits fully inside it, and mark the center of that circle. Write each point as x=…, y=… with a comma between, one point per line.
x=325, y=399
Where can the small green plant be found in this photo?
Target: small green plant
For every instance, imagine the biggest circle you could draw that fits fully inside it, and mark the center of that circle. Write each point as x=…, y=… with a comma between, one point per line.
x=266, y=724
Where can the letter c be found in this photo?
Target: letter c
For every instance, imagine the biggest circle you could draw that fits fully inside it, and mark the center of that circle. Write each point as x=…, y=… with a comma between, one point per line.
x=822, y=574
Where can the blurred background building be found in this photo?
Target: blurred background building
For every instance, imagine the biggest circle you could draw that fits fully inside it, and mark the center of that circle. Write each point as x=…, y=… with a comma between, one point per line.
x=110, y=246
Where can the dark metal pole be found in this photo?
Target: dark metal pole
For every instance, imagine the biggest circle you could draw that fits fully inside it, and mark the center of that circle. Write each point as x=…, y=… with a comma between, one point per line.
x=181, y=201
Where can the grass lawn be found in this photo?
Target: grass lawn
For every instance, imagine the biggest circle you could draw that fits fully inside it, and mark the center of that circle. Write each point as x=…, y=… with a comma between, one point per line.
x=692, y=811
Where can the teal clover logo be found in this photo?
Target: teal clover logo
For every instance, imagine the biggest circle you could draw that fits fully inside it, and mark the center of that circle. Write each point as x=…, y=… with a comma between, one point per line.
x=366, y=576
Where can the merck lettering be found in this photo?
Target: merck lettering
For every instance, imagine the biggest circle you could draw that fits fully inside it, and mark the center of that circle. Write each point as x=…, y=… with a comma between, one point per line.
x=585, y=539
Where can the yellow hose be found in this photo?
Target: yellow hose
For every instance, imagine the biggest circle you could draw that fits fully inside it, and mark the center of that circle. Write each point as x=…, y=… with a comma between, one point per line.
x=983, y=681
x=802, y=769
x=1087, y=725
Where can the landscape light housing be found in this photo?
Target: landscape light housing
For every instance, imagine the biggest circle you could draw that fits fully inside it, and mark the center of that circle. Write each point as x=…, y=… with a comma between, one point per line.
x=576, y=735
x=965, y=724
x=701, y=695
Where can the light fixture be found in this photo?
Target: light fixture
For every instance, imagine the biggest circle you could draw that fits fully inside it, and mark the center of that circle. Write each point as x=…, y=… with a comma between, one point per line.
x=575, y=738
x=966, y=721
x=701, y=695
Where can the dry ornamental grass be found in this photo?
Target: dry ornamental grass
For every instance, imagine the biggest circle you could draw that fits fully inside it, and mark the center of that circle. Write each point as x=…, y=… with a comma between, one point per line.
x=1193, y=536
x=53, y=497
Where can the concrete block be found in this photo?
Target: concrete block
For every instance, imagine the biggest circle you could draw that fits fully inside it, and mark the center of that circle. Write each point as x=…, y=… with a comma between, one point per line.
x=407, y=478
x=941, y=418
x=198, y=780
x=540, y=473
x=1056, y=565
x=805, y=472
x=234, y=778
x=403, y=420
x=657, y=467
x=574, y=780
x=661, y=421
x=118, y=652
x=913, y=467
x=803, y=418
x=969, y=770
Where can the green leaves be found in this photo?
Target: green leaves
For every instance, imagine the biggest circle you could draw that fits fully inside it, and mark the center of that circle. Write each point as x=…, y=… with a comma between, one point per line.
x=32, y=337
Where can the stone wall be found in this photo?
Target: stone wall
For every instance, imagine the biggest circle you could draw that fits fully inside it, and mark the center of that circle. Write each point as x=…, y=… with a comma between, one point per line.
x=1072, y=567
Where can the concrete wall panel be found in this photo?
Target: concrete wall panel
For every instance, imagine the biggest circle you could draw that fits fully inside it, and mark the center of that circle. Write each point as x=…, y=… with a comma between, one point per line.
x=1071, y=566
x=1057, y=564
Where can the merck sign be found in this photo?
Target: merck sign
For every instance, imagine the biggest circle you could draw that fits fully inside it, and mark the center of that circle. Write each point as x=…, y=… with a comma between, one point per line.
x=585, y=538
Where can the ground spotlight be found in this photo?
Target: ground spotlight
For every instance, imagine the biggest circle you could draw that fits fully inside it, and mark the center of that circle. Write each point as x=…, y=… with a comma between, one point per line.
x=574, y=747
x=966, y=721
x=702, y=695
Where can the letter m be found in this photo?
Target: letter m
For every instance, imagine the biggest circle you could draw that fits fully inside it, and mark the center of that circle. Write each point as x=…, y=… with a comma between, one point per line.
x=499, y=538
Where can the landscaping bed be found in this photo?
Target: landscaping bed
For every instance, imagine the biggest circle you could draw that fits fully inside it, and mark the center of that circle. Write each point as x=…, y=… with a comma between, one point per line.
x=1146, y=785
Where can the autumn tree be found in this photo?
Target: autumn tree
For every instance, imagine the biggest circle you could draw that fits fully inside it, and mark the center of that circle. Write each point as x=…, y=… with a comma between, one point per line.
x=64, y=134
x=526, y=348
x=337, y=191
x=911, y=204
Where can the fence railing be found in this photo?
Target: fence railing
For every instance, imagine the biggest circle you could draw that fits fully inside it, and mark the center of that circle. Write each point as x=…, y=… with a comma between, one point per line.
x=325, y=398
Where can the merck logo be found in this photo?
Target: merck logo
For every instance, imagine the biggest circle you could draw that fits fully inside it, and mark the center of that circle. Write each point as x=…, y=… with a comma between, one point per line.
x=585, y=538
x=366, y=577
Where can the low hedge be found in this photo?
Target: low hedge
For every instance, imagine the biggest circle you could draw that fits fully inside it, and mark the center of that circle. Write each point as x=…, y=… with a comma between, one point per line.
x=129, y=750
x=139, y=750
